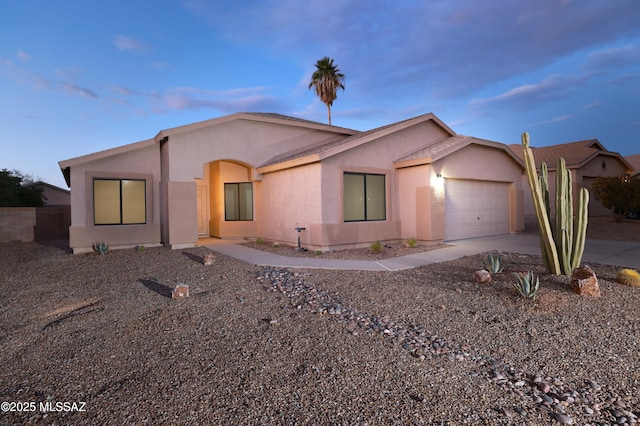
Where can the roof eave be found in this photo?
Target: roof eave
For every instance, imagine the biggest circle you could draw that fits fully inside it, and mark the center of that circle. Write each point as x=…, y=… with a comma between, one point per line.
x=289, y=164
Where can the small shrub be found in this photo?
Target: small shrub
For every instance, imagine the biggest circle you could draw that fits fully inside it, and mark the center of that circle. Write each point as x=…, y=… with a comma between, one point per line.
x=319, y=252
x=259, y=240
x=375, y=247
x=628, y=277
x=141, y=248
x=526, y=284
x=101, y=247
x=275, y=245
x=411, y=242
x=492, y=263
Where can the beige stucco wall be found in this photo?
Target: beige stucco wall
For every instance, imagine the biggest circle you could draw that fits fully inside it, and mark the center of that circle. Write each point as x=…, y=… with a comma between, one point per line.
x=246, y=143
x=421, y=204
x=143, y=163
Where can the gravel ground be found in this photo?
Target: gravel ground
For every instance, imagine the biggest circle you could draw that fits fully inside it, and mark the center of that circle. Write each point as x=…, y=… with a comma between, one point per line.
x=272, y=346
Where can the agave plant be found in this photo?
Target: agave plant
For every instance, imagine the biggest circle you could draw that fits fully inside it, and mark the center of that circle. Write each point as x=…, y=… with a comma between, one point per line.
x=492, y=263
x=101, y=247
x=526, y=284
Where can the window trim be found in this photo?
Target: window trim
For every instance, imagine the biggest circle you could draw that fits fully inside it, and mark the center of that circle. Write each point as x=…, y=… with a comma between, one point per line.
x=240, y=216
x=120, y=180
x=384, y=195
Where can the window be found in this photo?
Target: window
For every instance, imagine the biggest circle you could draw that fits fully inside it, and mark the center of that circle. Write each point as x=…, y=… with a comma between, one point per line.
x=119, y=201
x=364, y=197
x=238, y=201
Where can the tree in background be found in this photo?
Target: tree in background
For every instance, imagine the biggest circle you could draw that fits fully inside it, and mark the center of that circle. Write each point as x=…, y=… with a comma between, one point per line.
x=327, y=79
x=618, y=193
x=13, y=193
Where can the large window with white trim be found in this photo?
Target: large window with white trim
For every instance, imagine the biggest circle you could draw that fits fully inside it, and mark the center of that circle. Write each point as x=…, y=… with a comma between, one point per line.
x=238, y=201
x=364, y=197
x=119, y=201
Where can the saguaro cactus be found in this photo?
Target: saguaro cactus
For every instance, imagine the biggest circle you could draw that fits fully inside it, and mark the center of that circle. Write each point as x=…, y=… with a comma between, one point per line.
x=562, y=246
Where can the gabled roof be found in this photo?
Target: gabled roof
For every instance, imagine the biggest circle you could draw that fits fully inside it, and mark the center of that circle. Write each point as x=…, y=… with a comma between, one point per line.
x=447, y=146
x=326, y=150
x=262, y=117
x=270, y=118
x=575, y=154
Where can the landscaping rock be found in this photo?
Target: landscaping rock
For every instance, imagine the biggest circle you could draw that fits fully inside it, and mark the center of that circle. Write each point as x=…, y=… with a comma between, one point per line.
x=180, y=292
x=585, y=282
x=209, y=259
x=482, y=276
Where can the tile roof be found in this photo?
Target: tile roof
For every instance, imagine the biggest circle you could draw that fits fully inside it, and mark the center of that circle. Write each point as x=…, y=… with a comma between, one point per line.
x=634, y=160
x=436, y=148
x=575, y=154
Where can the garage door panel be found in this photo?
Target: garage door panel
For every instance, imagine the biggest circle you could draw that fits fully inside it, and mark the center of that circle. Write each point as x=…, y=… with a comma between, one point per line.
x=475, y=208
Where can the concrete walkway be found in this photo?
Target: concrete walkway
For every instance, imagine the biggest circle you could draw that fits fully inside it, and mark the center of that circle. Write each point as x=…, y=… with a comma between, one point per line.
x=618, y=253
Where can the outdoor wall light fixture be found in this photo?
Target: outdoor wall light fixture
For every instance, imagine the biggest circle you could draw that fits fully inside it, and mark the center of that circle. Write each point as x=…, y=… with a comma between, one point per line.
x=439, y=185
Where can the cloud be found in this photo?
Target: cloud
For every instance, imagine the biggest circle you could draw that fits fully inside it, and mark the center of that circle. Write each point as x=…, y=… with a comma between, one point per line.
x=130, y=44
x=528, y=96
x=124, y=91
x=23, y=55
x=553, y=120
x=613, y=58
x=439, y=49
x=82, y=91
x=226, y=101
x=594, y=104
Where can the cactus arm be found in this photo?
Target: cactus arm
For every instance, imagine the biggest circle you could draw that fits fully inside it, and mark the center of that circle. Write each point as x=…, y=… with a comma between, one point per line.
x=564, y=216
x=550, y=254
x=580, y=233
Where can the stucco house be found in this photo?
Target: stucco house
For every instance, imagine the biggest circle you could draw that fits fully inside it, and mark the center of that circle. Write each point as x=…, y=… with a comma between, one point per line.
x=54, y=195
x=586, y=160
x=250, y=175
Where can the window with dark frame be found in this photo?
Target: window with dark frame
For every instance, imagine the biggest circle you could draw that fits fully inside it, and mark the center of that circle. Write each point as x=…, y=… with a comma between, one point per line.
x=364, y=197
x=119, y=201
x=238, y=201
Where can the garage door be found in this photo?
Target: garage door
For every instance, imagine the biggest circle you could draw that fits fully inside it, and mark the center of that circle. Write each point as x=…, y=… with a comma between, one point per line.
x=475, y=208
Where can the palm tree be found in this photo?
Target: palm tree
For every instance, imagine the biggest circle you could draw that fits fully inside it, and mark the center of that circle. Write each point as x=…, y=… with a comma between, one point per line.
x=327, y=79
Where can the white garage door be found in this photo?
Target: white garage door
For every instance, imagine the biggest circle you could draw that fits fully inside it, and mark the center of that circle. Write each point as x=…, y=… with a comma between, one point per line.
x=475, y=208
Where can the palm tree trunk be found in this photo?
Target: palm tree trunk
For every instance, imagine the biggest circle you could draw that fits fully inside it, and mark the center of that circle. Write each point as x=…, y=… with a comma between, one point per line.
x=329, y=113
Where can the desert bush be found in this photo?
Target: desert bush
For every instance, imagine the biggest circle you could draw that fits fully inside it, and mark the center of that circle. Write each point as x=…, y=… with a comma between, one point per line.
x=629, y=277
x=375, y=247
x=492, y=263
x=259, y=240
x=411, y=242
x=275, y=245
x=526, y=284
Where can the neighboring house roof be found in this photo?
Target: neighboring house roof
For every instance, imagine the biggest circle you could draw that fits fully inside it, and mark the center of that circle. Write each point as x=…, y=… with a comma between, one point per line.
x=575, y=154
x=48, y=185
x=334, y=147
x=634, y=160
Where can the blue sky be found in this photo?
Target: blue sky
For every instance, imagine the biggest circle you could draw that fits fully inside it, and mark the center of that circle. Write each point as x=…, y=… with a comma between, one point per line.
x=82, y=76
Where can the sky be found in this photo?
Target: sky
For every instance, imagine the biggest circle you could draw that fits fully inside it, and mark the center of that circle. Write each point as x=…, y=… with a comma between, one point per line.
x=81, y=76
